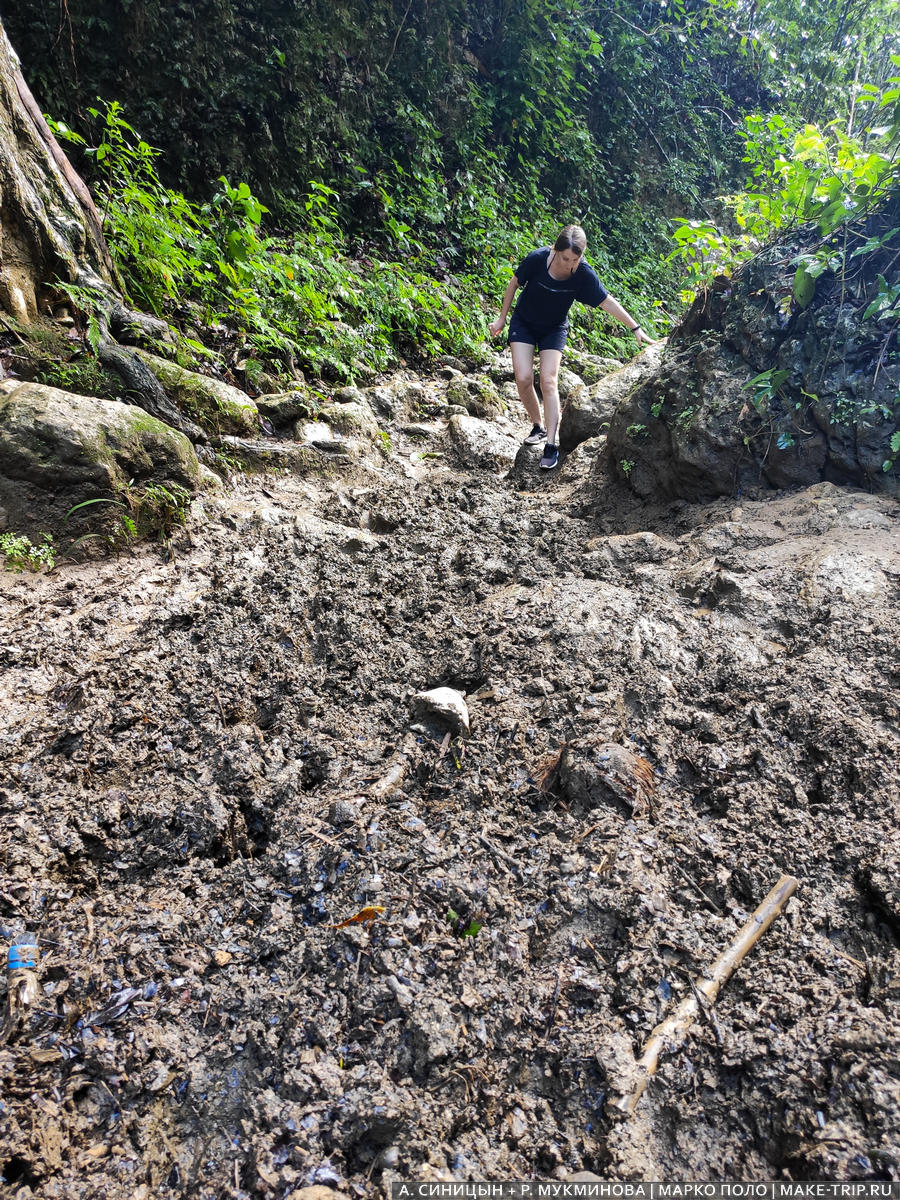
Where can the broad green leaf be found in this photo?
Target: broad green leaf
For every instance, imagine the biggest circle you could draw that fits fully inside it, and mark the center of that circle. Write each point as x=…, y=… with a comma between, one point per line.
x=804, y=287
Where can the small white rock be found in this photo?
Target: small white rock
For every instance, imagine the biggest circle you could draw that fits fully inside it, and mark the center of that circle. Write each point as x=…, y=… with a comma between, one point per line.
x=446, y=704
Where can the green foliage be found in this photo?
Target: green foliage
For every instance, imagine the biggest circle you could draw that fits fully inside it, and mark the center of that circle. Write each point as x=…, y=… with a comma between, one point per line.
x=463, y=926
x=886, y=305
x=765, y=387
x=807, y=174
x=888, y=463
x=154, y=233
x=704, y=251
x=437, y=127
x=685, y=418
x=153, y=511
x=796, y=176
x=20, y=554
x=82, y=375
x=300, y=296
x=443, y=140
x=306, y=296
x=160, y=509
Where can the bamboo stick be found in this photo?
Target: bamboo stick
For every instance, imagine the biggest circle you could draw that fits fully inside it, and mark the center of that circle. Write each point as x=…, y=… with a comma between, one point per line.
x=669, y=1034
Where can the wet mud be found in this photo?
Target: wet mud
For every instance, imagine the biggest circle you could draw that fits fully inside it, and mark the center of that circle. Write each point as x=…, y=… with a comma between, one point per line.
x=209, y=765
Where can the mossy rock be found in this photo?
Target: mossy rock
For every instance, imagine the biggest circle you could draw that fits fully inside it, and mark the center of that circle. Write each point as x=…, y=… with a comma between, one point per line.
x=73, y=448
x=477, y=394
x=591, y=367
x=285, y=407
x=352, y=420
x=217, y=406
x=349, y=395
x=45, y=354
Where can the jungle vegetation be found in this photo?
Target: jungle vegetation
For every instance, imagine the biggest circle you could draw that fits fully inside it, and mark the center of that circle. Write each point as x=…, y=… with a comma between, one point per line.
x=339, y=184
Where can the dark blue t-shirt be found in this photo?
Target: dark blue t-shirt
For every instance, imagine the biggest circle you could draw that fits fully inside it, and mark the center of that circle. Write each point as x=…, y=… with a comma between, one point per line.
x=544, y=302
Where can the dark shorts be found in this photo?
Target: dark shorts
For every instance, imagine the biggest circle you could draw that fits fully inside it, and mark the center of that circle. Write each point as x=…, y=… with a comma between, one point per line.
x=545, y=339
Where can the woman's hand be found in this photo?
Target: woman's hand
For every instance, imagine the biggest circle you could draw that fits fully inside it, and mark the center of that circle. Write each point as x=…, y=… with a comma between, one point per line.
x=644, y=339
x=496, y=327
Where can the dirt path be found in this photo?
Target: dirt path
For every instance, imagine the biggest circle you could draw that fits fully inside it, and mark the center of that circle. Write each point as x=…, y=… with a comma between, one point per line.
x=207, y=765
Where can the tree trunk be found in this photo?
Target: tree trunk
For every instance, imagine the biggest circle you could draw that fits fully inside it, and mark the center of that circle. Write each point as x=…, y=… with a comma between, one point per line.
x=49, y=227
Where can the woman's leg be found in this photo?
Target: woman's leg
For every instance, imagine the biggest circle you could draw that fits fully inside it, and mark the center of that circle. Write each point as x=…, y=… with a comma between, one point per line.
x=523, y=366
x=550, y=360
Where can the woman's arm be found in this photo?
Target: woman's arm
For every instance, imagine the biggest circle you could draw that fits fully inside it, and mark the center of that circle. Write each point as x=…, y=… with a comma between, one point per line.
x=615, y=309
x=496, y=327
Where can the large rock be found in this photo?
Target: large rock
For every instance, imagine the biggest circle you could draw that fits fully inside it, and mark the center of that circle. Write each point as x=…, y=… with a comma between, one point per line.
x=591, y=367
x=571, y=386
x=679, y=434
x=217, y=406
x=75, y=448
x=587, y=411
x=480, y=444
x=353, y=419
x=311, y=432
x=477, y=394
x=398, y=399
x=283, y=407
x=757, y=390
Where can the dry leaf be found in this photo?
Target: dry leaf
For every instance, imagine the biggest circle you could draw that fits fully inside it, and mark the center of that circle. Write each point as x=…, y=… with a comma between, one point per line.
x=364, y=916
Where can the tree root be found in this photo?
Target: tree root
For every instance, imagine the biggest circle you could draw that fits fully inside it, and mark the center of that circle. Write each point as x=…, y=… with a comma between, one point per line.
x=145, y=390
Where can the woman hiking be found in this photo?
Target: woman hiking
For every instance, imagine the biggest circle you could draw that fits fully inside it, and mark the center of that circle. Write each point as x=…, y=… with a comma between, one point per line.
x=552, y=279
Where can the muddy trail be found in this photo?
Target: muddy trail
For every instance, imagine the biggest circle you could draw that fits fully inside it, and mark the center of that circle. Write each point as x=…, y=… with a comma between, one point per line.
x=209, y=765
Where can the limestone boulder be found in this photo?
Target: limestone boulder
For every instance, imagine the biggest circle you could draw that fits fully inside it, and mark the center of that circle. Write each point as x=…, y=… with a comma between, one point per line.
x=477, y=394
x=58, y=449
x=396, y=400
x=480, y=444
x=591, y=367
x=353, y=419
x=312, y=432
x=349, y=395
x=588, y=410
x=283, y=407
x=571, y=386
x=761, y=390
x=499, y=368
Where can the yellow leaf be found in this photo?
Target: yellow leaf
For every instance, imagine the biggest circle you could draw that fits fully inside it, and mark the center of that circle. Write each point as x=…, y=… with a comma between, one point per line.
x=364, y=916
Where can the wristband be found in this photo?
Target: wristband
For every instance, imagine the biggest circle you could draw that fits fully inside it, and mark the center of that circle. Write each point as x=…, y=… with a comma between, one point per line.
x=636, y=329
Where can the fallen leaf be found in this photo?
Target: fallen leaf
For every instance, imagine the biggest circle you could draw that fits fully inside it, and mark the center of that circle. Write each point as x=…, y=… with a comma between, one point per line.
x=364, y=916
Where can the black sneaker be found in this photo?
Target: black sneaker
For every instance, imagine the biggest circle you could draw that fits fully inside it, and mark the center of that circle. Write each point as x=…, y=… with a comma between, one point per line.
x=550, y=457
x=537, y=435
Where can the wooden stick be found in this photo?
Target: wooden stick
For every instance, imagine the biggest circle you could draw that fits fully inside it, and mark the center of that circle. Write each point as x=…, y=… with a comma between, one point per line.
x=391, y=780
x=669, y=1034
x=503, y=857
